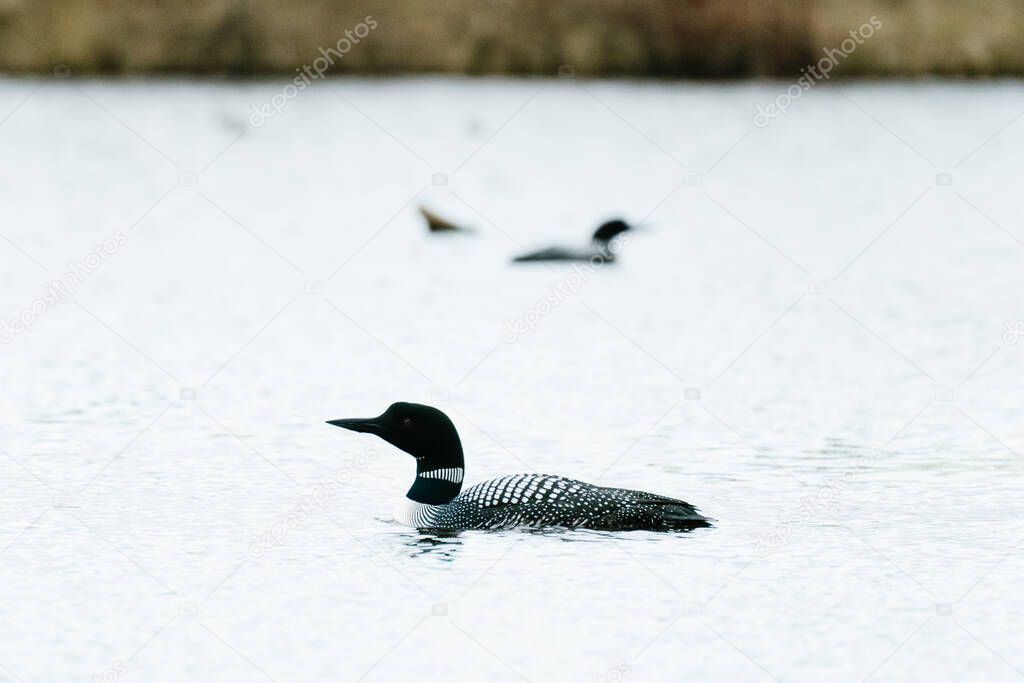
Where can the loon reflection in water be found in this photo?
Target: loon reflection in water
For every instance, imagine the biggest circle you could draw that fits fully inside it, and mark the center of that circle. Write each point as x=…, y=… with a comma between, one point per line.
x=437, y=501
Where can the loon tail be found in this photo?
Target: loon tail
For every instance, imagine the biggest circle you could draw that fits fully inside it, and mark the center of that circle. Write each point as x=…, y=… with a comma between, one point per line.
x=679, y=515
x=673, y=514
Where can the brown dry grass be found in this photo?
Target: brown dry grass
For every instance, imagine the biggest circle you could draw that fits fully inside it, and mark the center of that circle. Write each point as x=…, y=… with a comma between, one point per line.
x=696, y=38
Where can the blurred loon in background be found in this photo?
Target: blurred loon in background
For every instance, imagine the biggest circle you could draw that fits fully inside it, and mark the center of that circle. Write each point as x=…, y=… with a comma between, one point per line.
x=601, y=246
x=437, y=501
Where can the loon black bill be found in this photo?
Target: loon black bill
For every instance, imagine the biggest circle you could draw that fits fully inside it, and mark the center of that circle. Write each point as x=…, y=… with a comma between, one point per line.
x=366, y=425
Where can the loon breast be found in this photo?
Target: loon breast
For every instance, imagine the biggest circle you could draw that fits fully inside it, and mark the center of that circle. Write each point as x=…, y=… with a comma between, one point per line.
x=537, y=500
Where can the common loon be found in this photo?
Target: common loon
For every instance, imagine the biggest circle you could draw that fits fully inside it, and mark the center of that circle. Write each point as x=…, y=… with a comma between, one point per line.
x=437, y=501
x=600, y=247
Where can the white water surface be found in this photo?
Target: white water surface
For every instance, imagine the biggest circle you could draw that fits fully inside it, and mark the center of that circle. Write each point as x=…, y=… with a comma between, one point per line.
x=807, y=342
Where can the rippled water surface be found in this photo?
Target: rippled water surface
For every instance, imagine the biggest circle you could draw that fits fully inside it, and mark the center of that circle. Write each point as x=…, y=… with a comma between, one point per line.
x=809, y=341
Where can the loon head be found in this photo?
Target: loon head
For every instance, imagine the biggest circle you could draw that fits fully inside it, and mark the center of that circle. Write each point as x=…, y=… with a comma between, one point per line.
x=610, y=230
x=429, y=436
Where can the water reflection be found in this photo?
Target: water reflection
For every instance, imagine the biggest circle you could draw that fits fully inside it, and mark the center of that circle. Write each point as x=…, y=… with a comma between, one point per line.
x=443, y=545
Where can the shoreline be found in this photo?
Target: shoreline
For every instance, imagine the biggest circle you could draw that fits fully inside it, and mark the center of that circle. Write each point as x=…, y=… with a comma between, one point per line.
x=658, y=39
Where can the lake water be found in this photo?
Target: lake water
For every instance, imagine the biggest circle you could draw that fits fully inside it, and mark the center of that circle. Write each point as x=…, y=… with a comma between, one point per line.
x=814, y=339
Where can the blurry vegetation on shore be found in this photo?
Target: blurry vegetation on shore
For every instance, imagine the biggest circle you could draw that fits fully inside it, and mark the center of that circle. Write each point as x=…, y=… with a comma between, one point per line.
x=690, y=38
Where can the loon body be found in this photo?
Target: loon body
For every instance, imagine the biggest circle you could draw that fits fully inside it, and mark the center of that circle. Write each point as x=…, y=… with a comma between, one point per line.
x=599, y=249
x=437, y=501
